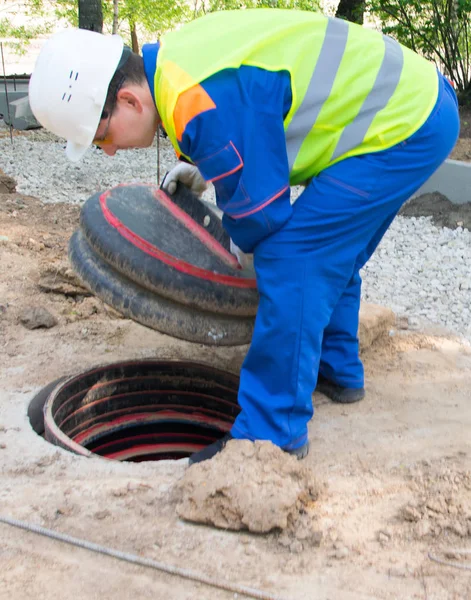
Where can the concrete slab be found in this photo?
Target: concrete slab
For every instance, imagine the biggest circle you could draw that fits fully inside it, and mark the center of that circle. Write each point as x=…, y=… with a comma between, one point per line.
x=14, y=105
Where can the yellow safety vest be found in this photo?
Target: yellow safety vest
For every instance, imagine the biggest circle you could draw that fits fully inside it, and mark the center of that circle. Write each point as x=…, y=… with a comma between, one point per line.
x=354, y=90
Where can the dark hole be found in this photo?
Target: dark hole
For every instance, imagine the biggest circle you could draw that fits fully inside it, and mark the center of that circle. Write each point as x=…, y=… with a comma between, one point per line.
x=138, y=411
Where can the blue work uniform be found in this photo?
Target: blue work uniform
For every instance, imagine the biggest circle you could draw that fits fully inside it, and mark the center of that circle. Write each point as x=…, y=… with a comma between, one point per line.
x=307, y=255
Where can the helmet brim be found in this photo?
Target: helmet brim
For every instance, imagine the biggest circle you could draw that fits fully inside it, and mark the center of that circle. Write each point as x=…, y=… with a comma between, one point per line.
x=75, y=152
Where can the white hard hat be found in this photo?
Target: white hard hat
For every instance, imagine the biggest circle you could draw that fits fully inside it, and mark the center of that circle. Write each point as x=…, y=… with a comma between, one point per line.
x=69, y=85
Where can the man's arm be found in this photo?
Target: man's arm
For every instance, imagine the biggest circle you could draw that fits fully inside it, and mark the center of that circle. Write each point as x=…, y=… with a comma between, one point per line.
x=238, y=143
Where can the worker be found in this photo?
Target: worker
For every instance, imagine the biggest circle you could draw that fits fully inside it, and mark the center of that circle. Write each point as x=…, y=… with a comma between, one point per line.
x=256, y=101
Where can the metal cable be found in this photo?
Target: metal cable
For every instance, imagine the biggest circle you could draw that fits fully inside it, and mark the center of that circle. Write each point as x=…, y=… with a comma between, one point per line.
x=447, y=563
x=158, y=155
x=6, y=95
x=144, y=562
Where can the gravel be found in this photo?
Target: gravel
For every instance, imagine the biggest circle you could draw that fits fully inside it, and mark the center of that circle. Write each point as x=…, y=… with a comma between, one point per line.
x=38, y=163
x=420, y=271
x=423, y=272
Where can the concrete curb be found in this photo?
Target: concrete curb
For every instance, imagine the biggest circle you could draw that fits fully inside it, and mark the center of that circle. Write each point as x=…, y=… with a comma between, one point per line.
x=453, y=180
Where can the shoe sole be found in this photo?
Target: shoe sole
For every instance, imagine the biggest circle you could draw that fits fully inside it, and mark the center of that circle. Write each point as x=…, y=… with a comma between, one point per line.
x=341, y=397
x=301, y=452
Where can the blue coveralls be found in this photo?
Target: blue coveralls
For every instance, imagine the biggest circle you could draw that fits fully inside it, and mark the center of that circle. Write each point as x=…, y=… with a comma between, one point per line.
x=307, y=256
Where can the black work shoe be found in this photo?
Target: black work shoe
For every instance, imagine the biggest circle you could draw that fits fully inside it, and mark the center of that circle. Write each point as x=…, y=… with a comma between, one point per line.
x=210, y=451
x=216, y=447
x=338, y=393
x=300, y=452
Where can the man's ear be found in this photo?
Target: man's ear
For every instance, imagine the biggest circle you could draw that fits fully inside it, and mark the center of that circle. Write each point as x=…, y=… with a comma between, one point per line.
x=130, y=97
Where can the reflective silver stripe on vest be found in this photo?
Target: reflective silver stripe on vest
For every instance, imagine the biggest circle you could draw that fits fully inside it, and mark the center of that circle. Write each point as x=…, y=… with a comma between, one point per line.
x=319, y=88
x=384, y=87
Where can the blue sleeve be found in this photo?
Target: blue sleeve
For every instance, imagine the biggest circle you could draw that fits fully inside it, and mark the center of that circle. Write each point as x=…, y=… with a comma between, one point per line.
x=149, y=58
x=240, y=146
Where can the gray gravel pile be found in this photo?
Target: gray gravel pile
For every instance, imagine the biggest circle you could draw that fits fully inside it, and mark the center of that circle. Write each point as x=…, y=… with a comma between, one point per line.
x=423, y=272
x=38, y=163
x=420, y=271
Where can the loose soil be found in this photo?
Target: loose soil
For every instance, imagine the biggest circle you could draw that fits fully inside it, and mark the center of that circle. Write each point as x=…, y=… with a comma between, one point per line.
x=462, y=150
x=443, y=212
x=393, y=470
x=253, y=486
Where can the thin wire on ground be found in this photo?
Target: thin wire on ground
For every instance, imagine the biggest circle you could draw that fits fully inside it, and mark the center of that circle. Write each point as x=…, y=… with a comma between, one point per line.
x=448, y=563
x=144, y=562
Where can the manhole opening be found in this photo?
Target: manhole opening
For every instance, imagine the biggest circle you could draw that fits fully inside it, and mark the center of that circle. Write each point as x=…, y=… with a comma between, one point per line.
x=138, y=411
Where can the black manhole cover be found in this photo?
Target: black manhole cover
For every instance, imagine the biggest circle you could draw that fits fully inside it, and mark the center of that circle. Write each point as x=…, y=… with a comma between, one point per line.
x=166, y=263
x=138, y=410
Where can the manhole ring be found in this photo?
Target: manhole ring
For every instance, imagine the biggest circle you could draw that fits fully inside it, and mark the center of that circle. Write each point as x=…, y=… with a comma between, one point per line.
x=142, y=410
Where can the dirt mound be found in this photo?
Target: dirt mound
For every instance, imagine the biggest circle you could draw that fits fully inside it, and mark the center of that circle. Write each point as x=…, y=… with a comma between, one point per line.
x=7, y=184
x=443, y=212
x=254, y=486
x=59, y=278
x=443, y=504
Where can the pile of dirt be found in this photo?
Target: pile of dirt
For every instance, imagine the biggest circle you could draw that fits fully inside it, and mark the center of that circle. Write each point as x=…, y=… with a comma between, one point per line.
x=60, y=278
x=442, y=506
x=254, y=486
x=443, y=212
x=7, y=184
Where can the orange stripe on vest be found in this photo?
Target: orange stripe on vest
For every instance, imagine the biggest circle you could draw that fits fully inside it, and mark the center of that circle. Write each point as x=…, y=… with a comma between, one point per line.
x=189, y=105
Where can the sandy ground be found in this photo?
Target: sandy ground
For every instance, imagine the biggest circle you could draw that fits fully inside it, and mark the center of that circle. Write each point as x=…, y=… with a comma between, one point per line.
x=462, y=150
x=394, y=469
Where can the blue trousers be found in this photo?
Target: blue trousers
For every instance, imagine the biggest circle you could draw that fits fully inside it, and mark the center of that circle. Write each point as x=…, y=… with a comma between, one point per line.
x=309, y=282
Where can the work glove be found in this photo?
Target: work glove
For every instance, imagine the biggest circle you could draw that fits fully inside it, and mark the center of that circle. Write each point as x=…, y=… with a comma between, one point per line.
x=186, y=174
x=245, y=260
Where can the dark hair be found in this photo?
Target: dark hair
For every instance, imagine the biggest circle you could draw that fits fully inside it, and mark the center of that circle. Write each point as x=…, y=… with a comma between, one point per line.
x=130, y=70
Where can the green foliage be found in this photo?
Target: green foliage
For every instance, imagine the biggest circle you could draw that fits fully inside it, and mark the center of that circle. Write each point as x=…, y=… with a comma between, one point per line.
x=215, y=5
x=18, y=37
x=150, y=17
x=154, y=17
x=65, y=10
x=440, y=30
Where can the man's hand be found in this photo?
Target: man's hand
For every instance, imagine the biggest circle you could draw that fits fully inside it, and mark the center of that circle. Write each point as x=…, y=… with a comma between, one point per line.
x=245, y=260
x=188, y=175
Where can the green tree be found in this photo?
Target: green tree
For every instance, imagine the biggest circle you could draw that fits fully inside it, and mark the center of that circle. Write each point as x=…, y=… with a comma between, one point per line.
x=135, y=18
x=146, y=17
x=438, y=29
x=18, y=37
x=351, y=10
x=215, y=5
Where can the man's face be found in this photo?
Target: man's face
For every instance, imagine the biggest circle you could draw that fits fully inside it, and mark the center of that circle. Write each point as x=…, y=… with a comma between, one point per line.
x=132, y=124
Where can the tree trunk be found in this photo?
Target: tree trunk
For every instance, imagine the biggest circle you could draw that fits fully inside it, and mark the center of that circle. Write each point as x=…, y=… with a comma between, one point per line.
x=115, y=16
x=90, y=15
x=134, y=40
x=351, y=10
